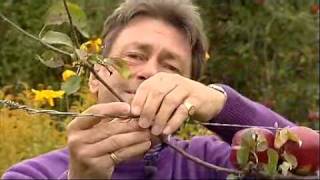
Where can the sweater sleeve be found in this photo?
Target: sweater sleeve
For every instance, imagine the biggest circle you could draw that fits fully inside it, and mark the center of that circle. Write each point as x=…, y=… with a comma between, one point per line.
x=52, y=165
x=241, y=110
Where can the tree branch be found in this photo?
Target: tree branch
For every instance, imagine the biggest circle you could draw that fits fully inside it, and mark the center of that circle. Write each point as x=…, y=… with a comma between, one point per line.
x=199, y=161
x=71, y=24
x=34, y=37
x=89, y=66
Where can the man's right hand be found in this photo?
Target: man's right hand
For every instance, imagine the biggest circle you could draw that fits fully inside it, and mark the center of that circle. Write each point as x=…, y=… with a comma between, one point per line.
x=91, y=140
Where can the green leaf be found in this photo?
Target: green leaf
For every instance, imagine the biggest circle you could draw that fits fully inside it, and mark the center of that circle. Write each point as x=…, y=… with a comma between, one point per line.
x=72, y=85
x=294, y=137
x=53, y=37
x=248, y=140
x=243, y=156
x=285, y=167
x=57, y=15
x=262, y=143
x=120, y=65
x=273, y=157
x=291, y=159
x=96, y=58
x=50, y=59
x=281, y=138
x=82, y=55
x=283, y=135
x=232, y=177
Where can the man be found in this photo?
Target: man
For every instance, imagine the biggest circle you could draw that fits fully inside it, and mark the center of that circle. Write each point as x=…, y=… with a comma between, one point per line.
x=164, y=45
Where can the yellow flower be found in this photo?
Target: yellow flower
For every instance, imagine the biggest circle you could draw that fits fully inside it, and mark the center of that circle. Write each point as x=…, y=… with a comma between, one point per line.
x=92, y=46
x=68, y=74
x=47, y=95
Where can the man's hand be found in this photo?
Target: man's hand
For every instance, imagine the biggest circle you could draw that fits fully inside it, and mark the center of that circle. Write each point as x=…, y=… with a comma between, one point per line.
x=162, y=100
x=91, y=140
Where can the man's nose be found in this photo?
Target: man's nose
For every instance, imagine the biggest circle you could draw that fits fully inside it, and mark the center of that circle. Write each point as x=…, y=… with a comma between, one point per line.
x=147, y=70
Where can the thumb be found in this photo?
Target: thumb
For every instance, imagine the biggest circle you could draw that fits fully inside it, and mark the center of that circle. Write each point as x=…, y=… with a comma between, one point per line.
x=114, y=109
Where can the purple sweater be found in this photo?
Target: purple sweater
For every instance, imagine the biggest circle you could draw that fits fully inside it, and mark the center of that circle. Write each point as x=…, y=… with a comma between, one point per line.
x=169, y=164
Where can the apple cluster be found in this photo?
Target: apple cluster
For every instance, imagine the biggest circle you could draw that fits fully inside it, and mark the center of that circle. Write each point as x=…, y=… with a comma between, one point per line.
x=288, y=151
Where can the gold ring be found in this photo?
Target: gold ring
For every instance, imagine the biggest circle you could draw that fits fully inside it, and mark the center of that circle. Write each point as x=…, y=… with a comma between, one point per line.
x=190, y=107
x=114, y=158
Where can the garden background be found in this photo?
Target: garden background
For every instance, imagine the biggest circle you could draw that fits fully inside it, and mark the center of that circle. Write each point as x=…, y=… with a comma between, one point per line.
x=266, y=49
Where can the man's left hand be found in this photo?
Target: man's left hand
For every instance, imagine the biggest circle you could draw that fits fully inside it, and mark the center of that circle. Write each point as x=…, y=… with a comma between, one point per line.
x=165, y=100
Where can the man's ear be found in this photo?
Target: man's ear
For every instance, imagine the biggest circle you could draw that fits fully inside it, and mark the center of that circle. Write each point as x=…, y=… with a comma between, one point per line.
x=93, y=81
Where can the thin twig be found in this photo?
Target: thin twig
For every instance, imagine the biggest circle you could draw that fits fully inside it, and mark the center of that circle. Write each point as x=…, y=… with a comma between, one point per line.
x=33, y=37
x=199, y=161
x=241, y=126
x=71, y=24
x=14, y=105
x=165, y=139
x=89, y=66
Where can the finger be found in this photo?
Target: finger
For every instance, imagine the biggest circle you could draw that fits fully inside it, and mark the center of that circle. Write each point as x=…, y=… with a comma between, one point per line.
x=175, y=122
x=106, y=129
x=107, y=109
x=152, y=104
x=170, y=103
x=133, y=151
x=121, y=154
x=112, y=144
x=139, y=99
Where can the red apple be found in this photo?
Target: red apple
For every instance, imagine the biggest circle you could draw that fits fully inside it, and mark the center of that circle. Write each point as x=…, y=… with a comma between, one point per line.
x=252, y=138
x=307, y=151
x=314, y=9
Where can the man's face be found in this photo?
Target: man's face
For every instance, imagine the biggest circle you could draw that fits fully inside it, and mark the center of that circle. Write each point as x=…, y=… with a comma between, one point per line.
x=149, y=46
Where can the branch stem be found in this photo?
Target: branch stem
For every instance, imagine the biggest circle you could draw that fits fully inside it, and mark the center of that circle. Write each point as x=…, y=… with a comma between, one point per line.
x=199, y=161
x=89, y=66
x=34, y=37
x=71, y=24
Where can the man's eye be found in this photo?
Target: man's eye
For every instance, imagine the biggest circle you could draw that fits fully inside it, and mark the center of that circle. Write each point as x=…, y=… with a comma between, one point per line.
x=172, y=68
x=135, y=56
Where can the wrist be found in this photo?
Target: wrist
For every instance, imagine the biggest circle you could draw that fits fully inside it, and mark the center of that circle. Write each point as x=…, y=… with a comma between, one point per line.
x=219, y=99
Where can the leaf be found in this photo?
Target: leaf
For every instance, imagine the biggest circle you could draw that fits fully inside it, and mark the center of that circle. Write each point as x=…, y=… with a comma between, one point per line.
x=57, y=15
x=262, y=143
x=53, y=37
x=285, y=167
x=50, y=59
x=243, y=156
x=273, y=157
x=72, y=85
x=294, y=137
x=81, y=54
x=283, y=135
x=248, y=140
x=291, y=159
x=232, y=177
x=96, y=58
x=120, y=65
x=281, y=138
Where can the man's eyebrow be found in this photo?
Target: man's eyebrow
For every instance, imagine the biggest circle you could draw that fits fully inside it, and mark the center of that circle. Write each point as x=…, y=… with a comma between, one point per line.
x=142, y=46
x=166, y=54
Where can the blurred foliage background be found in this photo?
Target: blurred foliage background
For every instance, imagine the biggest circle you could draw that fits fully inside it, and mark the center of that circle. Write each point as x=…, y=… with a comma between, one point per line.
x=268, y=50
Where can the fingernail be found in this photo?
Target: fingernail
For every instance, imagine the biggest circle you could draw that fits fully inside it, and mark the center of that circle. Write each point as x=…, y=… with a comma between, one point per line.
x=167, y=131
x=156, y=130
x=143, y=123
x=127, y=109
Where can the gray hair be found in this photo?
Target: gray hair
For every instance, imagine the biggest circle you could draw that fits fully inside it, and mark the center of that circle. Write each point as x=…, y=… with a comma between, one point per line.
x=182, y=14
